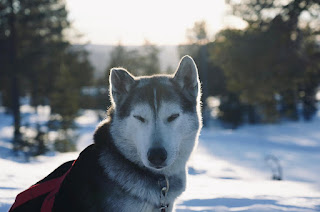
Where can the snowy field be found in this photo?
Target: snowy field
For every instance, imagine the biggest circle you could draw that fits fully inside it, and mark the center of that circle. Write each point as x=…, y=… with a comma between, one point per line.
x=228, y=172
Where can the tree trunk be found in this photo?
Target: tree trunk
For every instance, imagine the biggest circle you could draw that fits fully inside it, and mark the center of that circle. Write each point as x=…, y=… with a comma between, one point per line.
x=14, y=77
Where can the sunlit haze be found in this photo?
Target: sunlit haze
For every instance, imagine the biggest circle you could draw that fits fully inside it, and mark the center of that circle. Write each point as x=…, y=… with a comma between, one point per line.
x=132, y=22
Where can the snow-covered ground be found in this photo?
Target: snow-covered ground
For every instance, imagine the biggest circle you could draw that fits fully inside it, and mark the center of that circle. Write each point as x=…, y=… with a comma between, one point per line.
x=228, y=171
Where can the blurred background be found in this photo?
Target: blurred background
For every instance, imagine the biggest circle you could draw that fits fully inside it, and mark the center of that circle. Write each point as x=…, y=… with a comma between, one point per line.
x=259, y=64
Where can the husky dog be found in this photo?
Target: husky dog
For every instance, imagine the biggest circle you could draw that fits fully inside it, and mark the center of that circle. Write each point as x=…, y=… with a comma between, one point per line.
x=138, y=159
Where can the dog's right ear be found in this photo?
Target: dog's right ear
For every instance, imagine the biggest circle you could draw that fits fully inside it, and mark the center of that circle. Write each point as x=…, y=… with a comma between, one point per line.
x=120, y=81
x=187, y=77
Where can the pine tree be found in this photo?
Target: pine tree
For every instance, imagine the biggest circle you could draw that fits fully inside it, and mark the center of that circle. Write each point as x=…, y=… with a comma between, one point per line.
x=143, y=60
x=122, y=57
x=65, y=98
x=149, y=59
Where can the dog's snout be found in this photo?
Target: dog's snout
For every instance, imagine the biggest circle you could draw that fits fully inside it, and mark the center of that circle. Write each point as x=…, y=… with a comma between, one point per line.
x=157, y=156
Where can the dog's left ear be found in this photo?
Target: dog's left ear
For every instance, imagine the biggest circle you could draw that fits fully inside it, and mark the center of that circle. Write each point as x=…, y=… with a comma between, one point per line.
x=187, y=77
x=121, y=81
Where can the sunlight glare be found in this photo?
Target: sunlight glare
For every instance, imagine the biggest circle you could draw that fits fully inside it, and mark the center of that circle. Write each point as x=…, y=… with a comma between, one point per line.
x=131, y=22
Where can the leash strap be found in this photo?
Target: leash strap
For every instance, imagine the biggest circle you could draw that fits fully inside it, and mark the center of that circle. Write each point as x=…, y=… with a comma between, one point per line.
x=50, y=187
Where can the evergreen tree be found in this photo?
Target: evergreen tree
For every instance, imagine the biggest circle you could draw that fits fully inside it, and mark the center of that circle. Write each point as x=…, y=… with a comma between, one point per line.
x=122, y=57
x=65, y=98
x=139, y=61
x=149, y=59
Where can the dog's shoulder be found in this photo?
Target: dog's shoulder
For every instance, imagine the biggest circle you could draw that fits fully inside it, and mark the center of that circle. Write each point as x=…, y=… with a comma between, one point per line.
x=102, y=134
x=82, y=188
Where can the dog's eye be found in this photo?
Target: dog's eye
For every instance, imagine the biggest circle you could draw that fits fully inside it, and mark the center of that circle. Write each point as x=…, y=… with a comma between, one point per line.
x=140, y=118
x=173, y=117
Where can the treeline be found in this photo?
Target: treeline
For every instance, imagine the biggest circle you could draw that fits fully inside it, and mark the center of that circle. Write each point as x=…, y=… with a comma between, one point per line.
x=37, y=59
x=267, y=72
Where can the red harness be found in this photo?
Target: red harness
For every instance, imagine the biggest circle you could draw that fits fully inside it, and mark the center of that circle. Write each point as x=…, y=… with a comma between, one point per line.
x=51, y=187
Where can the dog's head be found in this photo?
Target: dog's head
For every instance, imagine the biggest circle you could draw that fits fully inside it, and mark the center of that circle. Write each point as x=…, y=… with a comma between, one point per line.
x=156, y=119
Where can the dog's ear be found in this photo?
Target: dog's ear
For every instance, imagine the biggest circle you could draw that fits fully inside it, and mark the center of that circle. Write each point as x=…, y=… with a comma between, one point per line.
x=120, y=81
x=187, y=77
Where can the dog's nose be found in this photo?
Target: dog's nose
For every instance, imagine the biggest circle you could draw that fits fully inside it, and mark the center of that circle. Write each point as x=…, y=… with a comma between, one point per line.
x=157, y=156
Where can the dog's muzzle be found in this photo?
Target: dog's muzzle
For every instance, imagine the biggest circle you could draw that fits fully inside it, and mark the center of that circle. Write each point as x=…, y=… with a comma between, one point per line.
x=157, y=157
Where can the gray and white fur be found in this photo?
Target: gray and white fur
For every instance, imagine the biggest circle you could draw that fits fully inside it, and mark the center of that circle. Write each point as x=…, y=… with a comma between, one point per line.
x=155, y=124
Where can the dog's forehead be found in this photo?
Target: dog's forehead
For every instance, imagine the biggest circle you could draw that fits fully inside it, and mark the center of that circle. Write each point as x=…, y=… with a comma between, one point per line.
x=156, y=80
x=154, y=92
x=157, y=89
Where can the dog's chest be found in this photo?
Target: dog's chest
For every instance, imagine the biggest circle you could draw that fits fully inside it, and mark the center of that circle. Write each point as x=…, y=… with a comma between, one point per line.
x=142, y=206
x=127, y=203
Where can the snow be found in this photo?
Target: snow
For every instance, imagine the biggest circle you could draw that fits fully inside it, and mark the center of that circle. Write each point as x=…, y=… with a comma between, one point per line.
x=228, y=172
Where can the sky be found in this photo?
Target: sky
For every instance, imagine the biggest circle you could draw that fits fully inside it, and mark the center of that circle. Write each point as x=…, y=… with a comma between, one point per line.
x=131, y=22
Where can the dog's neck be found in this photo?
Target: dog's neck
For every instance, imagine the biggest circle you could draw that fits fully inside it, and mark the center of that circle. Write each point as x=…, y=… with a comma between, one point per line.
x=138, y=181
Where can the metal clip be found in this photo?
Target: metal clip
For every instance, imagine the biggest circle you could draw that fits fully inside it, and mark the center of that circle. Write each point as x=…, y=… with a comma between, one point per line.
x=163, y=208
x=163, y=194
